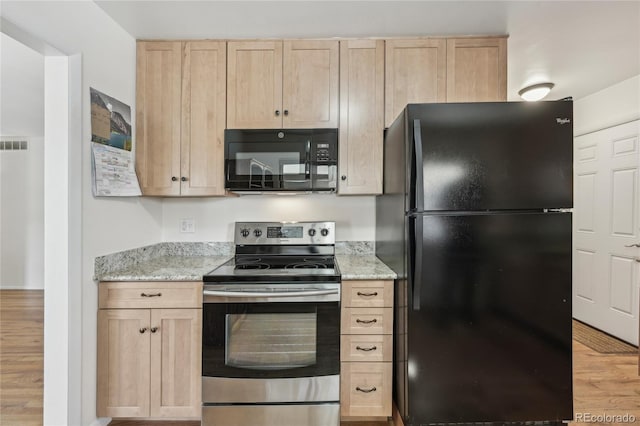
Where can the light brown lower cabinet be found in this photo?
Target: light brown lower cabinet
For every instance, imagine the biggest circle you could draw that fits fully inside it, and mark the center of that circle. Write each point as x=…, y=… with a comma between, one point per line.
x=366, y=349
x=149, y=361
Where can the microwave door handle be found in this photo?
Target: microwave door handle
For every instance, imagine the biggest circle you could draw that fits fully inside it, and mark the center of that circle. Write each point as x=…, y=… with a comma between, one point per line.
x=307, y=164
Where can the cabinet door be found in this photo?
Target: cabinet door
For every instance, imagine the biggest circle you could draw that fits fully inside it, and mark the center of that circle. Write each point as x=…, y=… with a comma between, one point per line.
x=310, y=84
x=361, y=116
x=415, y=73
x=477, y=69
x=254, y=85
x=203, y=118
x=158, y=117
x=176, y=362
x=123, y=363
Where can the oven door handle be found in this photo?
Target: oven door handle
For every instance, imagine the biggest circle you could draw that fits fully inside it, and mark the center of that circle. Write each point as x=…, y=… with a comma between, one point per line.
x=222, y=293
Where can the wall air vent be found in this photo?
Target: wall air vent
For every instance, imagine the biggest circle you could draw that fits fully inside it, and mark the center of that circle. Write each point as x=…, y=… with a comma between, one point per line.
x=14, y=143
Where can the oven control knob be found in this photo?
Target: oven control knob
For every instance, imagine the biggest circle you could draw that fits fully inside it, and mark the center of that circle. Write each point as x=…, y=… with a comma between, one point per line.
x=324, y=232
x=257, y=232
x=244, y=232
x=312, y=232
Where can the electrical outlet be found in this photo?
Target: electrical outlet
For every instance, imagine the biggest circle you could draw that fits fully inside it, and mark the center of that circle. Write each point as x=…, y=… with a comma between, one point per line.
x=187, y=226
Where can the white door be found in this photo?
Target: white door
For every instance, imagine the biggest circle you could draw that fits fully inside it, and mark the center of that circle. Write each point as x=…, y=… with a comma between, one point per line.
x=606, y=231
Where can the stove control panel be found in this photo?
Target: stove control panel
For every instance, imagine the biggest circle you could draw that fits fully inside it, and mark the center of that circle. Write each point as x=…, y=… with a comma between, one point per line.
x=284, y=233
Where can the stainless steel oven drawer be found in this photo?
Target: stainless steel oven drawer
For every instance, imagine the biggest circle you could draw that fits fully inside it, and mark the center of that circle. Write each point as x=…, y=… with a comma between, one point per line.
x=299, y=389
x=271, y=415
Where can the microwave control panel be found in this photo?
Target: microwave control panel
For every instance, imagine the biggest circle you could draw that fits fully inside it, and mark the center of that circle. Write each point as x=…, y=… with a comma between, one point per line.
x=325, y=153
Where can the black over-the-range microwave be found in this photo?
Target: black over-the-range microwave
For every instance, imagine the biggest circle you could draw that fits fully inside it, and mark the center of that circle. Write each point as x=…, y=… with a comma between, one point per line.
x=281, y=160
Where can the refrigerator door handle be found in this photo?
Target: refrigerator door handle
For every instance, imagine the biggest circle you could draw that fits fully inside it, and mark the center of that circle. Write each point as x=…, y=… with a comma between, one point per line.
x=418, y=185
x=417, y=264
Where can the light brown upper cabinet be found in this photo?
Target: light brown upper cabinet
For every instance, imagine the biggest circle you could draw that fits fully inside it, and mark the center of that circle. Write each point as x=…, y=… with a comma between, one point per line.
x=361, y=116
x=477, y=69
x=415, y=73
x=180, y=119
x=158, y=112
x=276, y=84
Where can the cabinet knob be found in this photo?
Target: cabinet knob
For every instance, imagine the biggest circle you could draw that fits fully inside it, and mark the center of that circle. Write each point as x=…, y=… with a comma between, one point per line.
x=286, y=112
x=142, y=330
x=343, y=177
x=173, y=178
x=184, y=179
x=277, y=112
x=154, y=329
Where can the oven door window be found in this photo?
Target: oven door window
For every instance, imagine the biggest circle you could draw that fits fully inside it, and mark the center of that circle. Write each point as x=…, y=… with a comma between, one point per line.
x=260, y=166
x=270, y=340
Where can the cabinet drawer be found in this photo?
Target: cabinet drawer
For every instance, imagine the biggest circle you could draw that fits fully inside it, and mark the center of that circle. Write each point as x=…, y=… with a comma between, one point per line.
x=365, y=388
x=135, y=295
x=366, y=347
x=366, y=321
x=367, y=294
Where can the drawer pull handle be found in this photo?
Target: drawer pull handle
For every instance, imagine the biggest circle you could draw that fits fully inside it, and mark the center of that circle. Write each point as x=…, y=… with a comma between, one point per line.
x=142, y=330
x=359, y=389
x=372, y=348
x=371, y=321
x=375, y=293
x=150, y=294
x=154, y=329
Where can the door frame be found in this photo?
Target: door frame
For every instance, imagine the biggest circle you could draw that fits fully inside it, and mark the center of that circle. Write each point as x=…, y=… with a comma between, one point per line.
x=62, y=394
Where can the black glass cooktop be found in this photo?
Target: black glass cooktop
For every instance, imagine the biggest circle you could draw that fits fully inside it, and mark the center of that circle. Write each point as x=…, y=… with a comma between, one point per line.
x=281, y=268
x=284, y=262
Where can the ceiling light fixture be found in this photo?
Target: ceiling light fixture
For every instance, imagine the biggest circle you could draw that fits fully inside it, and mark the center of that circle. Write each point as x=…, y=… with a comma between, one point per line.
x=535, y=92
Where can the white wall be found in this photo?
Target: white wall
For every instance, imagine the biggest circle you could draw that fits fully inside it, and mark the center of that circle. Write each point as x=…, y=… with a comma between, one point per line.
x=22, y=218
x=214, y=217
x=21, y=172
x=614, y=105
x=108, y=225
x=21, y=89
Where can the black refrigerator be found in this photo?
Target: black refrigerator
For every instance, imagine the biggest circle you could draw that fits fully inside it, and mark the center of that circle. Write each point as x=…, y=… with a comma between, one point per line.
x=475, y=219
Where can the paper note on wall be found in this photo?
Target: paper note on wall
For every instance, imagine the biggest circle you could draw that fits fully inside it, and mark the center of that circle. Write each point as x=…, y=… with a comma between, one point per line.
x=113, y=172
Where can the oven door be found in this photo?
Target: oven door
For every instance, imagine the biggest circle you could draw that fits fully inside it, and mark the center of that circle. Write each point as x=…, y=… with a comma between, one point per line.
x=269, y=344
x=259, y=160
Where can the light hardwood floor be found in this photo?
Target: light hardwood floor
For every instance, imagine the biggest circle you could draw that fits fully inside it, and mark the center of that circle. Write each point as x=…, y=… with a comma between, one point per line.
x=603, y=384
x=21, y=349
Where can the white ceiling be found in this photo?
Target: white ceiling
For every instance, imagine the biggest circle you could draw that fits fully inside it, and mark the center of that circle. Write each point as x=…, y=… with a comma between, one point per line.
x=581, y=46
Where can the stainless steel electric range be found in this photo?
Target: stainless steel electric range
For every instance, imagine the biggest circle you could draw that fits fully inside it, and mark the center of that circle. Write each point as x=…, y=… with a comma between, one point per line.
x=271, y=329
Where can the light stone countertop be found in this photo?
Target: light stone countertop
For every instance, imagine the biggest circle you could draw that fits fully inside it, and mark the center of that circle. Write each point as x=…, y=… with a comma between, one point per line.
x=166, y=268
x=363, y=267
x=190, y=261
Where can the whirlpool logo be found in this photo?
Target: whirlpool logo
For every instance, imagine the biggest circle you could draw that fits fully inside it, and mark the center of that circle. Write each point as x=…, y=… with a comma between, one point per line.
x=562, y=120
